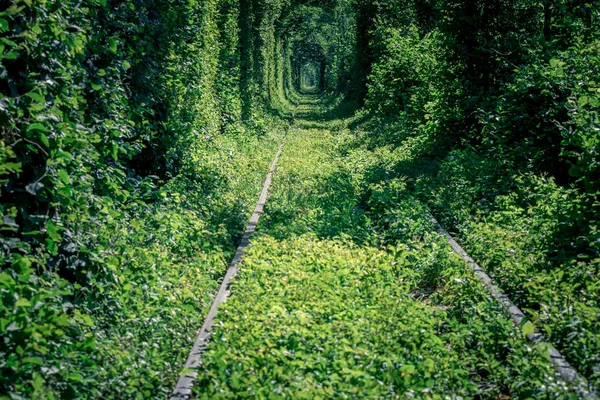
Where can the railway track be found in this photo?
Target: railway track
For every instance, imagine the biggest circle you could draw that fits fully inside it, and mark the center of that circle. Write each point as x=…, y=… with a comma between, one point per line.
x=183, y=389
x=559, y=362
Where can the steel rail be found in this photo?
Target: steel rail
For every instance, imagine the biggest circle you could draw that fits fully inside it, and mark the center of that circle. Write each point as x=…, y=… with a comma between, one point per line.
x=566, y=371
x=183, y=388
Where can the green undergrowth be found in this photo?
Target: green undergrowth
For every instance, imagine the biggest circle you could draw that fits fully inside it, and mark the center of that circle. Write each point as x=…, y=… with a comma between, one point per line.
x=333, y=320
x=490, y=117
x=132, y=151
x=153, y=271
x=526, y=231
x=349, y=292
x=168, y=260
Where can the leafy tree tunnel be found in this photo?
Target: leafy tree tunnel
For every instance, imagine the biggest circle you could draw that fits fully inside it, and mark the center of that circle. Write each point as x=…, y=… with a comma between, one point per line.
x=309, y=59
x=307, y=41
x=135, y=135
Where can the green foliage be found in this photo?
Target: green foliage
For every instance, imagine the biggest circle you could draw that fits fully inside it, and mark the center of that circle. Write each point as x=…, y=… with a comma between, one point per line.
x=488, y=111
x=122, y=197
x=136, y=134
x=580, y=132
x=332, y=300
x=134, y=140
x=524, y=240
x=312, y=193
x=332, y=320
x=407, y=65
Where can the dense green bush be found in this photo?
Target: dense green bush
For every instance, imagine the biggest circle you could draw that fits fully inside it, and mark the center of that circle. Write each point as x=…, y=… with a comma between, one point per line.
x=122, y=198
x=370, y=276
x=522, y=228
x=135, y=136
x=489, y=111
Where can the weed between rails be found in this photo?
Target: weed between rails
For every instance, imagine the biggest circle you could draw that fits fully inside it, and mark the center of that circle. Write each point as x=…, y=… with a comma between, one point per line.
x=349, y=292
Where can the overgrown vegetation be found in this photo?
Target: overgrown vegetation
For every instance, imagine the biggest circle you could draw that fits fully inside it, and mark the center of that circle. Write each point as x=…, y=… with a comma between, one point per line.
x=122, y=142
x=335, y=299
x=490, y=111
x=136, y=135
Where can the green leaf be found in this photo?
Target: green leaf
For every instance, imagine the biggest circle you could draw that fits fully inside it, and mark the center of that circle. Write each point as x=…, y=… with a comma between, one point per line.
x=6, y=281
x=87, y=320
x=23, y=302
x=11, y=55
x=44, y=140
x=37, y=97
x=11, y=167
x=75, y=377
x=52, y=230
x=36, y=126
x=8, y=42
x=96, y=86
x=64, y=177
x=51, y=247
x=3, y=25
x=64, y=154
x=33, y=360
x=112, y=45
x=38, y=381
x=115, y=151
x=528, y=328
